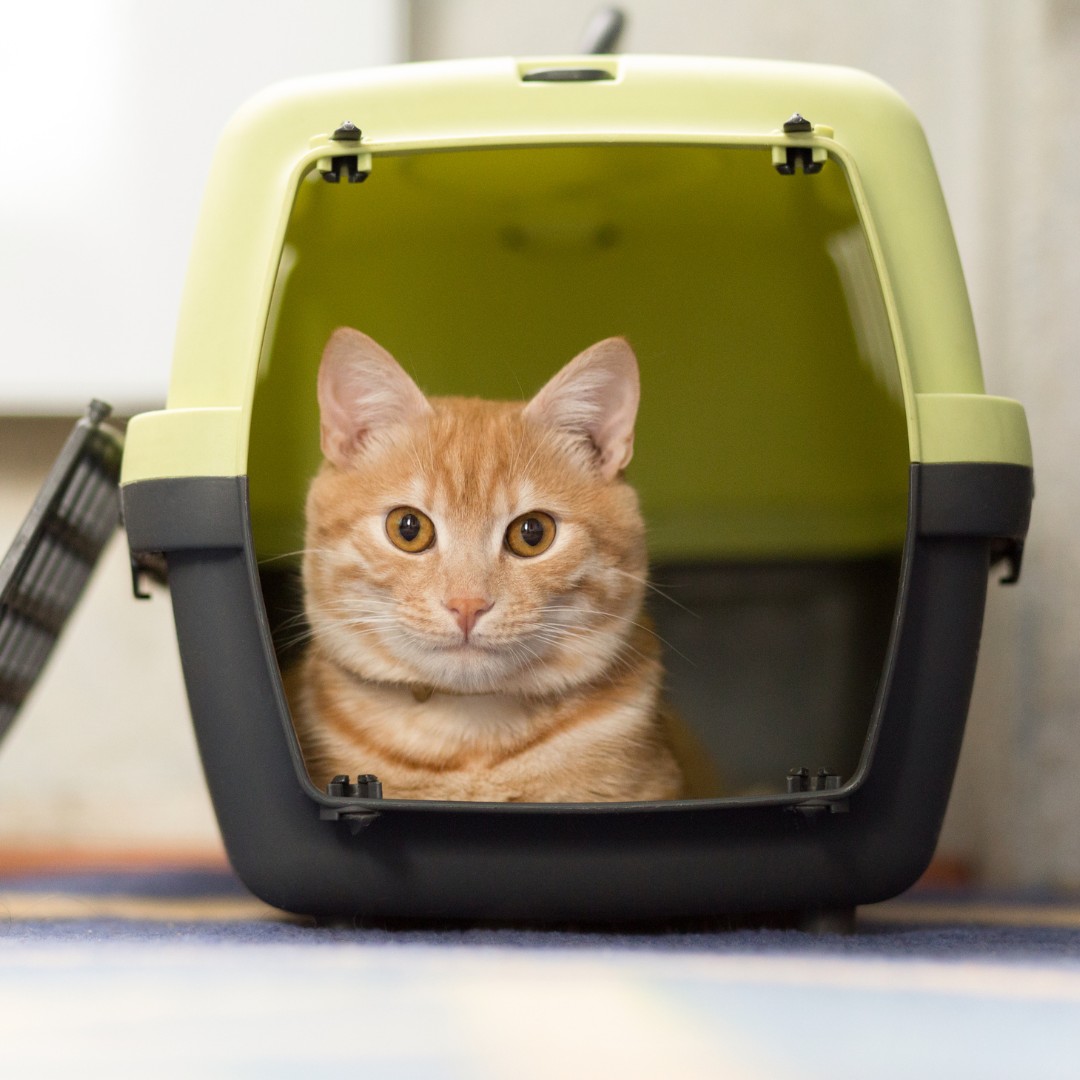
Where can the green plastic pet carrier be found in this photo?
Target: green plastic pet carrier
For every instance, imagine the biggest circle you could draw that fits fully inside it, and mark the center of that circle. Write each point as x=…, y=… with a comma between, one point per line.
x=825, y=482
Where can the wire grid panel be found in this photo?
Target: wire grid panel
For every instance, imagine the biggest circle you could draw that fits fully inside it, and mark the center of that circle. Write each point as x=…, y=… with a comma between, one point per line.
x=46, y=569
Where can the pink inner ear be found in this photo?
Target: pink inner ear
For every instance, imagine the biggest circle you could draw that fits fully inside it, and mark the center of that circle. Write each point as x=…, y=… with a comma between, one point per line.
x=596, y=395
x=362, y=389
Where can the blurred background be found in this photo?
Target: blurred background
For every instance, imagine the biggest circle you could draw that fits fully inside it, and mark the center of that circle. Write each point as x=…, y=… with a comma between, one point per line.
x=109, y=111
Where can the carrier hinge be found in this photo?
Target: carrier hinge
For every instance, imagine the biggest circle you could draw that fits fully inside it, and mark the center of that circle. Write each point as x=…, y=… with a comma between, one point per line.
x=788, y=158
x=1011, y=551
x=355, y=167
x=147, y=565
x=824, y=780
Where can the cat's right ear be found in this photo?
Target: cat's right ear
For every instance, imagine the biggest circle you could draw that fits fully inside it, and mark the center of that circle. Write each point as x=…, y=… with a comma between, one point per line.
x=361, y=389
x=596, y=396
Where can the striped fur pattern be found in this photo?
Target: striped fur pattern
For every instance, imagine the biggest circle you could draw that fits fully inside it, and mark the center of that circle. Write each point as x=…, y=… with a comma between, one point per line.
x=547, y=688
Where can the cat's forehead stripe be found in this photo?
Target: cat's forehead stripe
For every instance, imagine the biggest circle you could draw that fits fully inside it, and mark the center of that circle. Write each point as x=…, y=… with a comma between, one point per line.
x=476, y=456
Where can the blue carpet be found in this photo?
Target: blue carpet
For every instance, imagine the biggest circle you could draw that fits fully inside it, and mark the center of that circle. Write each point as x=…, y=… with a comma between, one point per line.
x=181, y=973
x=905, y=932
x=1047, y=945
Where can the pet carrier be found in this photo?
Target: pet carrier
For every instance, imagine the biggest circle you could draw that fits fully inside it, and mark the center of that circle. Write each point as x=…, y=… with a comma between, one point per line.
x=825, y=481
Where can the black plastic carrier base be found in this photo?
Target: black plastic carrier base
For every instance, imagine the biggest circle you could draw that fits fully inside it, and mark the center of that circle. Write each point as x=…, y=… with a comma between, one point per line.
x=820, y=845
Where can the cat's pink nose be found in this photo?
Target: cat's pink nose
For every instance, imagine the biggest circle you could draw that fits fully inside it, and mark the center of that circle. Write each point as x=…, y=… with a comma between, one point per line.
x=467, y=609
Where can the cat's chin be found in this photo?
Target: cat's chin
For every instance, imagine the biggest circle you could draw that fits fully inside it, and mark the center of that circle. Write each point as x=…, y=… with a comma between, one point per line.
x=472, y=668
x=516, y=668
x=485, y=668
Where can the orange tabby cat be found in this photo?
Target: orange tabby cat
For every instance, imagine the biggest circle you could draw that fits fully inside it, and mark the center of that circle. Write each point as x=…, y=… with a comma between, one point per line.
x=474, y=576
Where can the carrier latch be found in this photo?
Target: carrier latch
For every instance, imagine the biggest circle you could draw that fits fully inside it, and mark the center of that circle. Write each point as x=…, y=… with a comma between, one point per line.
x=355, y=167
x=811, y=159
x=367, y=786
x=801, y=779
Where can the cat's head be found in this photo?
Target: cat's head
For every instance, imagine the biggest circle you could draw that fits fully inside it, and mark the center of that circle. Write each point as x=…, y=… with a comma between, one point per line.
x=474, y=546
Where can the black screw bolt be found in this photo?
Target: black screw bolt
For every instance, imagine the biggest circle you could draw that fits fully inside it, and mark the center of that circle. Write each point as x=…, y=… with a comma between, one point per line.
x=348, y=132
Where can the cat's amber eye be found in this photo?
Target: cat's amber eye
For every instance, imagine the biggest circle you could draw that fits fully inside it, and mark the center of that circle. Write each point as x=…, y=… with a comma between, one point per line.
x=410, y=529
x=531, y=534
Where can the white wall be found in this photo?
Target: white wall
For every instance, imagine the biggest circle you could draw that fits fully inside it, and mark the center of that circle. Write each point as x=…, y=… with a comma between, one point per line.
x=109, y=112
x=1017, y=801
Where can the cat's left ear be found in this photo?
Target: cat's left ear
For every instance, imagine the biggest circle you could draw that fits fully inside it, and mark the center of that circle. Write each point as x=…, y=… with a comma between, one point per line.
x=596, y=395
x=362, y=390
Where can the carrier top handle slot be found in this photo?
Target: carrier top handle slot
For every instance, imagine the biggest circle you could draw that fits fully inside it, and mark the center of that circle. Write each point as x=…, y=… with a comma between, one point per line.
x=355, y=167
x=601, y=38
x=786, y=159
x=577, y=74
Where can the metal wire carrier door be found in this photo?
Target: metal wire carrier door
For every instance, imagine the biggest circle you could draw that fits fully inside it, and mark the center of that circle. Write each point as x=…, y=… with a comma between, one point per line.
x=45, y=570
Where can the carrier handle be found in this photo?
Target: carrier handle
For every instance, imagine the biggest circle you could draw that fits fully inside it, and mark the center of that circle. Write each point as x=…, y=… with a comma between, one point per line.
x=603, y=31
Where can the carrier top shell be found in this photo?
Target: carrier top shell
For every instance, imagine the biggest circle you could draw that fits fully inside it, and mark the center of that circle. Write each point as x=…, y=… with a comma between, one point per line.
x=283, y=133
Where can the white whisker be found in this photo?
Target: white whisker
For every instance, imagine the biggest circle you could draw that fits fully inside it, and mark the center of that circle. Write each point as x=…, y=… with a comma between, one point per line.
x=611, y=615
x=656, y=589
x=294, y=554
